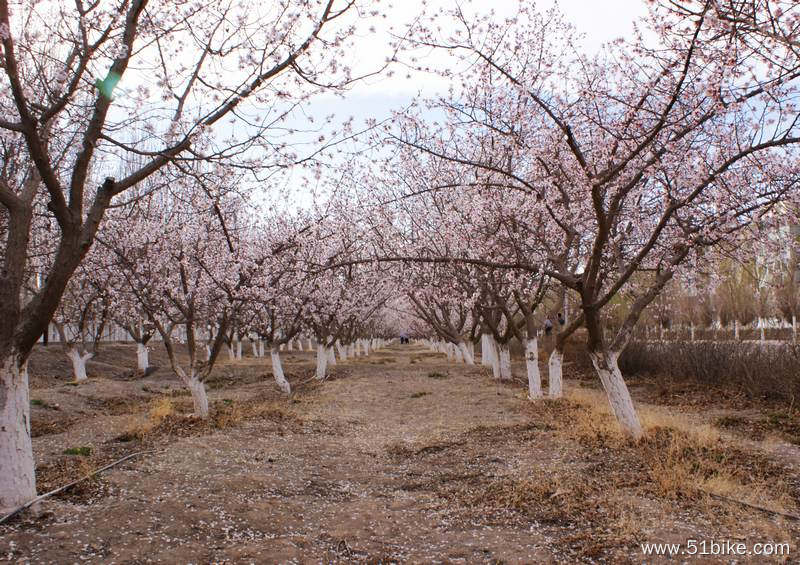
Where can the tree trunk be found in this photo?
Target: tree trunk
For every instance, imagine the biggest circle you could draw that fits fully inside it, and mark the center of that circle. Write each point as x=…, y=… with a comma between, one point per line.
x=239, y=349
x=505, y=361
x=78, y=363
x=495, y=360
x=486, y=351
x=261, y=348
x=322, y=362
x=199, y=397
x=469, y=359
x=231, y=353
x=277, y=371
x=458, y=353
x=254, y=347
x=17, y=478
x=555, y=381
x=736, y=330
x=532, y=366
x=142, y=357
x=331, y=356
x=617, y=392
x=289, y=345
x=342, y=350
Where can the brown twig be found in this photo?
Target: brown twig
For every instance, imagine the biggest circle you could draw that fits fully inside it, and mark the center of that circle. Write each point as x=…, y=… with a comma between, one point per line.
x=755, y=506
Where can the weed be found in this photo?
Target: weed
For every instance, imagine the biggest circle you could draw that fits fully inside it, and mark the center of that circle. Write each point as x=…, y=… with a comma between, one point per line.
x=436, y=375
x=81, y=451
x=419, y=394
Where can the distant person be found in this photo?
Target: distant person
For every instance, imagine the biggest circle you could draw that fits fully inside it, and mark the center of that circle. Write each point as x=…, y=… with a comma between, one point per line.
x=548, y=327
x=561, y=320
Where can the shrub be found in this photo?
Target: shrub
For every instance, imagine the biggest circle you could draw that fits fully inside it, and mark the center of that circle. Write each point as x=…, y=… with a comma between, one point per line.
x=769, y=371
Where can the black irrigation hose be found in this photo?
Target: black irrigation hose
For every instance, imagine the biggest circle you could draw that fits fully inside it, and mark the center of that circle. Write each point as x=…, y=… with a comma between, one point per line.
x=7, y=517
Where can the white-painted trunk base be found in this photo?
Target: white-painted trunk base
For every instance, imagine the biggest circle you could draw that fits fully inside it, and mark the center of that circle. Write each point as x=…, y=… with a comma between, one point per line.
x=555, y=387
x=619, y=397
x=142, y=357
x=78, y=364
x=198, y=391
x=199, y=397
x=486, y=350
x=277, y=372
x=532, y=368
x=495, y=360
x=17, y=476
x=322, y=362
x=469, y=358
x=505, y=361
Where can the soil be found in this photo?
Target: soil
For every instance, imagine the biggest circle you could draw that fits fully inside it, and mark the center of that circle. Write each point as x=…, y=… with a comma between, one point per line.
x=398, y=457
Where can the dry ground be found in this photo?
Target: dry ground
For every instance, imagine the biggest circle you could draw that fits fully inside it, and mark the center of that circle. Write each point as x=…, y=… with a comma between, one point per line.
x=399, y=457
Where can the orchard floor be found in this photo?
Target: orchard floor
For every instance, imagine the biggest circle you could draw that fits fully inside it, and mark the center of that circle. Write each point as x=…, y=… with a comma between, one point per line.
x=399, y=457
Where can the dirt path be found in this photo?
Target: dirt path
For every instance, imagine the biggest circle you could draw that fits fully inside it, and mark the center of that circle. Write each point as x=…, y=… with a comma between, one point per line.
x=403, y=457
x=352, y=478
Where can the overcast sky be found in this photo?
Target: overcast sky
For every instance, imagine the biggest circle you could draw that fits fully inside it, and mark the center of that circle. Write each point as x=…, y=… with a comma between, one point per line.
x=597, y=21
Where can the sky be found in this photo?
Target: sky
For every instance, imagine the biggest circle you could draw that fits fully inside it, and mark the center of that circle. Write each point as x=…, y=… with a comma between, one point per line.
x=597, y=21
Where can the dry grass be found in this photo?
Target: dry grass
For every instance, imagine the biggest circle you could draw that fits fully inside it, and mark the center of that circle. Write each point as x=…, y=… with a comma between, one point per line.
x=682, y=457
x=67, y=469
x=547, y=497
x=164, y=419
x=140, y=427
